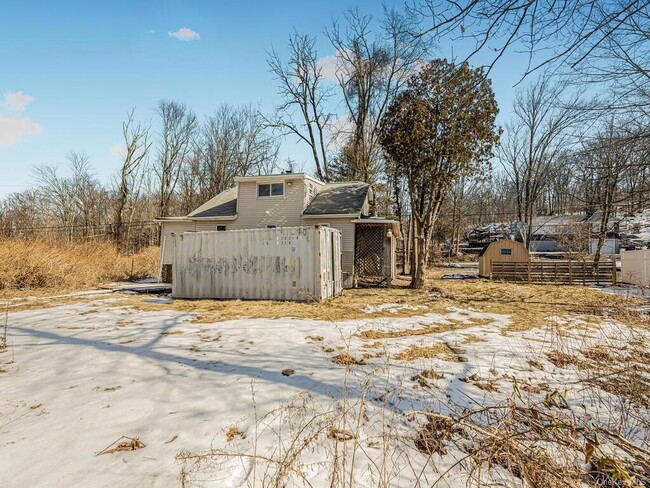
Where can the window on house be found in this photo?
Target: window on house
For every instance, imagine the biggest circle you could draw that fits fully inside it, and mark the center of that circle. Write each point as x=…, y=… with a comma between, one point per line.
x=271, y=226
x=324, y=225
x=270, y=189
x=221, y=228
x=506, y=252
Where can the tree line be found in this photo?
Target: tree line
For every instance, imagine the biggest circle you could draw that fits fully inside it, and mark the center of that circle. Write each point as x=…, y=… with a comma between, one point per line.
x=384, y=110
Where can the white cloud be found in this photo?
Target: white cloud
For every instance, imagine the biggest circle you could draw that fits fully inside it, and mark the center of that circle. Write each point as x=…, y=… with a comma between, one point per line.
x=185, y=34
x=334, y=66
x=151, y=31
x=15, y=101
x=118, y=149
x=13, y=128
x=339, y=131
x=329, y=66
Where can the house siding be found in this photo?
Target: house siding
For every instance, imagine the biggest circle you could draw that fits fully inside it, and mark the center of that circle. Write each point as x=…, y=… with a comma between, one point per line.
x=282, y=211
x=315, y=187
x=207, y=225
x=169, y=228
x=346, y=226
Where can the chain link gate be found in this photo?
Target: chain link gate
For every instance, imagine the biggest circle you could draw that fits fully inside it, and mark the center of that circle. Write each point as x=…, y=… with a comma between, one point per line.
x=370, y=255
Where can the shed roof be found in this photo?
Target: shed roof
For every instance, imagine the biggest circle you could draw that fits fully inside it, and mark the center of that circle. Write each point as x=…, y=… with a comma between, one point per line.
x=339, y=198
x=509, y=242
x=223, y=205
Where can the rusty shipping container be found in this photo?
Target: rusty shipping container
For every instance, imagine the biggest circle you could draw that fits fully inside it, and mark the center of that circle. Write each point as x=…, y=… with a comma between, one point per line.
x=285, y=263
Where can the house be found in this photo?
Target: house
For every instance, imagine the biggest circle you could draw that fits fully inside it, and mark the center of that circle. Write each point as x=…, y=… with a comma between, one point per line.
x=298, y=199
x=573, y=232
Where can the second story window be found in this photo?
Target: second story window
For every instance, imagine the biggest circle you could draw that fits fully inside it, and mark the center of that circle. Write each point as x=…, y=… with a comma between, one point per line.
x=270, y=189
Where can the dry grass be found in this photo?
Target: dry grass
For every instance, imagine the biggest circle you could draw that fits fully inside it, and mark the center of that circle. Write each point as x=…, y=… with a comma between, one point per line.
x=430, y=329
x=233, y=432
x=345, y=359
x=528, y=306
x=27, y=267
x=128, y=444
x=622, y=371
x=441, y=350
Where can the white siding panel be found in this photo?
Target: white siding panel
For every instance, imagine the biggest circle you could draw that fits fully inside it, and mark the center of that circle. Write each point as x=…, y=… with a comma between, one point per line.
x=169, y=228
x=210, y=225
x=346, y=226
x=255, y=212
x=635, y=267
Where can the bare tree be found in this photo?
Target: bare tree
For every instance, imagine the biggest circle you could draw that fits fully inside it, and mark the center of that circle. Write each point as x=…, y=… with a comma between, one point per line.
x=533, y=144
x=232, y=142
x=578, y=28
x=305, y=95
x=179, y=126
x=372, y=69
x=604, y=162
x=135, y=152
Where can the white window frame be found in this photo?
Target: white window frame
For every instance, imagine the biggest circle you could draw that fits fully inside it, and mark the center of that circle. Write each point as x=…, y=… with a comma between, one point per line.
x=270, y=185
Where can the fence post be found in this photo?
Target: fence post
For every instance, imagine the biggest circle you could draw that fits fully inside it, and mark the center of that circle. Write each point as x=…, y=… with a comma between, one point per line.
x=528, y=270
x=614, y=271
x=570, y=270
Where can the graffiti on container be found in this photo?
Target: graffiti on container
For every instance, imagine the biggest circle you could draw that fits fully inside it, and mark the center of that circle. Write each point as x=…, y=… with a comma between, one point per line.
x=243, y=264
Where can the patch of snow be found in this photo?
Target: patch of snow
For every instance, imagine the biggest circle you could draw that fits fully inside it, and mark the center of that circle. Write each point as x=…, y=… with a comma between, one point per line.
x=460, y=277
x=78, y=377
x=391, y=308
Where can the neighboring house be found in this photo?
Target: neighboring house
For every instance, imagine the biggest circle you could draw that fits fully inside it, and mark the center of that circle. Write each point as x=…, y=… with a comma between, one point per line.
x=573, y=232
x=297, y=199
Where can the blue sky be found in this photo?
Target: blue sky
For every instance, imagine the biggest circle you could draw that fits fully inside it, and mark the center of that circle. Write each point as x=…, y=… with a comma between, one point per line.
x=71, y=70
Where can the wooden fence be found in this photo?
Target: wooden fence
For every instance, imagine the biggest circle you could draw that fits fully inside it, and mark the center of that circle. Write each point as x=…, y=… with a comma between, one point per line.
x=565, y=272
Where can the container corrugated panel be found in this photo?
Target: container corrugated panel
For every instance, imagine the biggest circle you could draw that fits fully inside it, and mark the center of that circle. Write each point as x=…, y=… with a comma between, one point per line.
x=286, y=263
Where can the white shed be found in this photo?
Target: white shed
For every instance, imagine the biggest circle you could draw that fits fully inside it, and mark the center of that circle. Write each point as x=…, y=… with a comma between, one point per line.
x=285, y=263
x=635, y=267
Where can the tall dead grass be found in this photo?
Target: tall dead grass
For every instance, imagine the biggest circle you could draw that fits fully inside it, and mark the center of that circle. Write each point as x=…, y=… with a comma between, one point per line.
x=38, y=265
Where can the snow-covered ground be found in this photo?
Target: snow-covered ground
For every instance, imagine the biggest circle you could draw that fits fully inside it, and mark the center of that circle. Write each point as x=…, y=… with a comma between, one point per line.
x=637, y=224
x=77, y=378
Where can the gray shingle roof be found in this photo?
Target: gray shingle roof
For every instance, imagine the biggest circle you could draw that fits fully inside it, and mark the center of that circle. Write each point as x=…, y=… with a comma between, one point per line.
x=339, y=198
x=223, y=205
